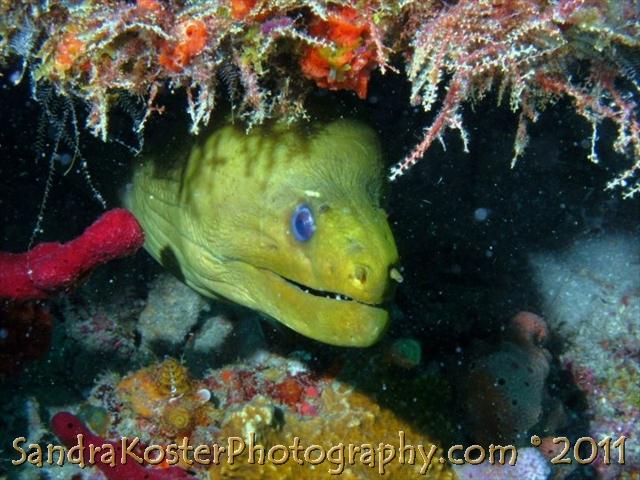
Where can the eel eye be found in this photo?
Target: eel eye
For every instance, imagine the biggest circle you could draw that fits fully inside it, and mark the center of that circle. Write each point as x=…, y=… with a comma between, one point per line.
x=302, y=223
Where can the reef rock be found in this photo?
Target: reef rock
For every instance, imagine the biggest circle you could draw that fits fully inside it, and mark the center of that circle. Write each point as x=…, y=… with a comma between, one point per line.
x=172, y=311
x=591, y=294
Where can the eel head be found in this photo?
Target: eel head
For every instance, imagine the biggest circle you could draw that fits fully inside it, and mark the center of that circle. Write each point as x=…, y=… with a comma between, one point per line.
x=285, y=221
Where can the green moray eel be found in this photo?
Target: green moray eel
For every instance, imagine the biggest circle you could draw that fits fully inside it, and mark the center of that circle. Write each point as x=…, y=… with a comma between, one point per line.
x=285, y=221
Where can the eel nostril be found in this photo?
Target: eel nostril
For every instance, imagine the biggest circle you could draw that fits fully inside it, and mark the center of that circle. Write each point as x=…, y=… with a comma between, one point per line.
x=360, y=274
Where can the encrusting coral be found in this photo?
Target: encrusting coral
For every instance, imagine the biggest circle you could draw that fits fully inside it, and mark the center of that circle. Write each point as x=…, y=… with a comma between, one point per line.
x=271, y=401
x=347, y=65
x=345, y=416
x=167, y=399
x=591, y=292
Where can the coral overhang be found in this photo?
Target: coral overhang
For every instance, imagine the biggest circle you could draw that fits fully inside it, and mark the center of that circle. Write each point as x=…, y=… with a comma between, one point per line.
x=531, y=52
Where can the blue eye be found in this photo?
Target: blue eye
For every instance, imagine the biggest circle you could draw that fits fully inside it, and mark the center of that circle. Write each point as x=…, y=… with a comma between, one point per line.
x=302, y=223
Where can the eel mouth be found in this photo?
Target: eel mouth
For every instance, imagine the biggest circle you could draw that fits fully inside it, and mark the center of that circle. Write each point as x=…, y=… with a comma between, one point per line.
x=326, y=294
x=326, y=316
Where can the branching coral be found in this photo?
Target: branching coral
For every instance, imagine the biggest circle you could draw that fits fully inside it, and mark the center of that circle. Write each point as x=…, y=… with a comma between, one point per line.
x=532, y=52
x=529, y=48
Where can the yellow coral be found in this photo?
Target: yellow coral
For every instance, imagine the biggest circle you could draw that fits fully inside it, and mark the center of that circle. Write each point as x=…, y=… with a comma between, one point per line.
x=347, y=416
x=141, y=393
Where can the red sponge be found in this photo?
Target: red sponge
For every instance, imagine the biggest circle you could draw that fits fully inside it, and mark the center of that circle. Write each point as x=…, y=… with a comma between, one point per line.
x=52, y=267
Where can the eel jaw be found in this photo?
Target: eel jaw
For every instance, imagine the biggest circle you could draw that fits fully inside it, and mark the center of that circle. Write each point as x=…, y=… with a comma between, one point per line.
x=324, y=294
x=319, y=315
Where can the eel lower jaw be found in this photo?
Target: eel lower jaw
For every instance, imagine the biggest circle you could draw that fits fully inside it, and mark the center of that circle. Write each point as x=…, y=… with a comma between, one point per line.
x=346, y=322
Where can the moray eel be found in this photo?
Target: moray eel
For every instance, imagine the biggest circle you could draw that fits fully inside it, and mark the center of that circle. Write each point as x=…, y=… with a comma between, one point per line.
x=285, y=221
